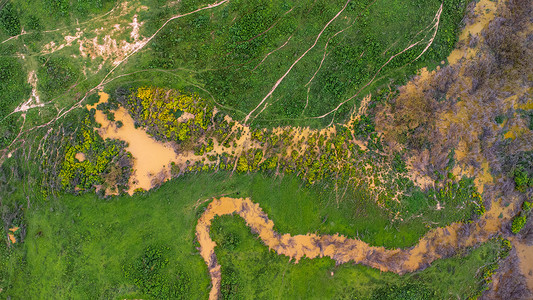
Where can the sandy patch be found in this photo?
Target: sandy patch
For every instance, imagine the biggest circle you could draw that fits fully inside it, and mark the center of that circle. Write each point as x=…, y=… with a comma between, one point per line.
x=12, y=238
x=69, y=40
x=80, y=156
x=525, y=254
x=185, y=116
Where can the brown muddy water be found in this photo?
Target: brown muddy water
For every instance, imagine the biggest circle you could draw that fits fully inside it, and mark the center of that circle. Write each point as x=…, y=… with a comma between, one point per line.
x=80, y=156
x=11, y=234
x=151, y=159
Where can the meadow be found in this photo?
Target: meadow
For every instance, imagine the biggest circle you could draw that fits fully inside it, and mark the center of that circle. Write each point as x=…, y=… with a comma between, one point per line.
x=307, y=62
x=143, y=246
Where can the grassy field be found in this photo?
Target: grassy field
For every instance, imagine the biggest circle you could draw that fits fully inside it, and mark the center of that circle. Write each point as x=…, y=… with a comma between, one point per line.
x=83, y=247
x=235, y=54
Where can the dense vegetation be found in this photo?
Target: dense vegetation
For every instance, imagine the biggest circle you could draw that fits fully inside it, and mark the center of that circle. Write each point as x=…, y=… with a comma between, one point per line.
x=520, y=220
x=90, y=162
x=13, y=90
x=148, y=274
x=9, y=18
x=36, y=14
x=56, y=75
x=522, y=178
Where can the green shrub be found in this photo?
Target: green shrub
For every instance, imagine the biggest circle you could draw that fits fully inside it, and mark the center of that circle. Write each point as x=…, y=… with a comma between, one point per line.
x=399, y=164
x=9, y=19
x=229, y=286
x=13, y=85
x=521, y=178
x=499, y=119
x=33, y=23
x=527, y=206
x=148, y=274
x=505, y=247
x=518, y=223
x=56, y=75
x=100, y=164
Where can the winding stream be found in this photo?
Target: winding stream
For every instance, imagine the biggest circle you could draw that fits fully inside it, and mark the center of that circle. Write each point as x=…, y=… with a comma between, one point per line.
x=437, y=243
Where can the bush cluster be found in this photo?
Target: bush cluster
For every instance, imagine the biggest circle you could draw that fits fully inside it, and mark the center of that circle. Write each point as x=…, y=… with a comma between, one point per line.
x=522, y=179
x=148, y=273
x=106, y=162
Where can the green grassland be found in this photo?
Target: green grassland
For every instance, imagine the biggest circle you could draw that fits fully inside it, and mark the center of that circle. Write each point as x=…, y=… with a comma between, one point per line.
x=82, y=247
x=217, y=52
x=224, y=53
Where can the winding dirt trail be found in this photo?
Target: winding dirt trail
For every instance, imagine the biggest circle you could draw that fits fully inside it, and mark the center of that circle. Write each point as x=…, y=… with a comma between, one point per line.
x=437, y=243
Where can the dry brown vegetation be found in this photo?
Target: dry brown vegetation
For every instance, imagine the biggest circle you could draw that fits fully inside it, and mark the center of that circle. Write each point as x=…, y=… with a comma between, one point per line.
x=507, y=284
x=456, y=107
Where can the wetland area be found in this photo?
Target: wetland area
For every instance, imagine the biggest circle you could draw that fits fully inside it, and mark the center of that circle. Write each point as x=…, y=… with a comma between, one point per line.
x=359, y=149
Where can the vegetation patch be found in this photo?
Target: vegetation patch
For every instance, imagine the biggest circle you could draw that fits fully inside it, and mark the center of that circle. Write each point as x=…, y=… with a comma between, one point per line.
x=520, y=220
x=522, y=178
x=56, y=75
x=106, y=165
x=148, y=274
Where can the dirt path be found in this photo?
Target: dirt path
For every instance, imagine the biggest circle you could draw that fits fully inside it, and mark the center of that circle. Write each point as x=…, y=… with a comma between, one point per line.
x=438, y=243
x=245, y=121
x=525, y=254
